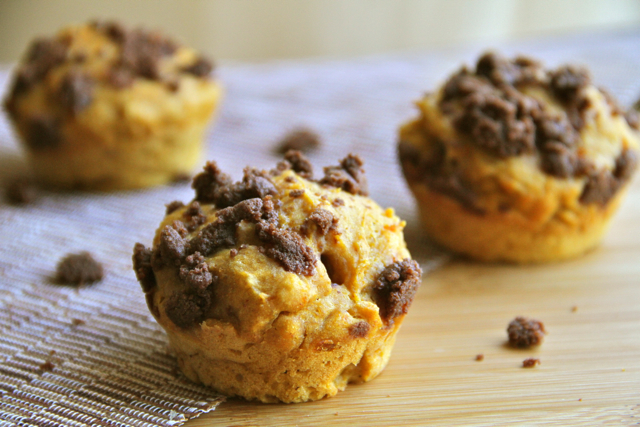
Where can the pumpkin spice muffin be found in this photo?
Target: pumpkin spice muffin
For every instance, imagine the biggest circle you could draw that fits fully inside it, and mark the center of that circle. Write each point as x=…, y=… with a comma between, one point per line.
x=516, y=163
x=101, y=107
x=280, y=287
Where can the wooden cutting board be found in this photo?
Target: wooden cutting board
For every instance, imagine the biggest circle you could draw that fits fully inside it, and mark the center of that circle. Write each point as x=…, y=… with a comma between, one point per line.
x=590, y=361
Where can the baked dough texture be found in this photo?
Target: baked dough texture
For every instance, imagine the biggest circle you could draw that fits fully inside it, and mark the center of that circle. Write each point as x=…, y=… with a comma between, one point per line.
x=280, y=287
x=101, y=107
x=511, y=162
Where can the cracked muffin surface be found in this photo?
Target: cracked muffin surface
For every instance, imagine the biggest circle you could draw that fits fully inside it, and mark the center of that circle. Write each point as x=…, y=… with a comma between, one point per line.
x=513, y=162
x=280, y=287
x=103, y=107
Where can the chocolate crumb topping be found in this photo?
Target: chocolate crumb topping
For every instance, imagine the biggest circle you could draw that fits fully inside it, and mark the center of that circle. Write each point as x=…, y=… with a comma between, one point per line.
x=359, y=330
x=296, y=193
x=208, y=183
x=530, y=363
x=142, y=267
x=195, y=272
x=201, y=68
x=525, y=332
x=173, y=206
x=43, y=132
x=186, y=310
x=323, y=219
x=626, y=165
x=288, y=248
x=20, y=191
x=194, y=216
x=395, y=288
x=303, y=140
x=297, y=162
x=349, y=176
x=180, y=228
x=171, y=247
x=567, y=82
x=601, y=186
x=254, y=184
x=76, y=91
x=79, y=269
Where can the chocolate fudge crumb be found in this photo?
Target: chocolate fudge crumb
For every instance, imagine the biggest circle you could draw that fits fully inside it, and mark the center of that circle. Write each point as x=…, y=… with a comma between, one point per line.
x=185, y=310
x=530, y=363
x=296, y=193
x=348, y=176
x=180, y=228
x=303, y=140
x=525, y=332
x=208, y=182
x=632, y=118
x=201, y=68
x=395, y=288
x=323, y=219
x=76, y=91
x=47, y=366
x=288, y=248
x=567, y=81
x=600, y=187
x=337, y=202
x=171, y=247
x=479, y=357
x=626, y=164
x=298, y=163
x=43, y=132
x=360, y=329
x=194, y=216
x=20, y=191
x=195, y=272
x=79, y=269
x=173, y=206
x=142, y=267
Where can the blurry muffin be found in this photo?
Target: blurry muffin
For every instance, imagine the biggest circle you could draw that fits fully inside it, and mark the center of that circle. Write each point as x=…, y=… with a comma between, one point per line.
x=512, y=162
x=101, y=107
x=279, y=287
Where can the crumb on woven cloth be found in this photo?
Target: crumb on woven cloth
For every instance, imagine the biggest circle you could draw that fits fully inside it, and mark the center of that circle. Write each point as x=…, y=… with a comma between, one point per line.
x=79, y=269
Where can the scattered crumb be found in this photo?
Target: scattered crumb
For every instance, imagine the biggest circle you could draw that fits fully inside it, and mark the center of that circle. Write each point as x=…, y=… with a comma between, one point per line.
x=47, y=366
x=301, y=139
x=77, y=322
x=530, y=363
x=52, y=352
x=78, y=269
x=574, y=308
x=20, y=191
x=580, y=400
x=233, y=253
x=525, y=332
x=479, y=357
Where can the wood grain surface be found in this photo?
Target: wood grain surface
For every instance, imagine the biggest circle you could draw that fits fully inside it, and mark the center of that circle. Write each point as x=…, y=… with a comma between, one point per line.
x=590, y=361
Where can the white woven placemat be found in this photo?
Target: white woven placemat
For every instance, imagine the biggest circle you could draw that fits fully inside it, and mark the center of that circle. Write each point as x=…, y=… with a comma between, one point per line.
x=95, y=356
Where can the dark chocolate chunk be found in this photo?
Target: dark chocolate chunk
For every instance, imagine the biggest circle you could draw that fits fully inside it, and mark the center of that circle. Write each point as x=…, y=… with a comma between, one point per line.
x=76, y=91
x=142, y=267
x=20, y=191
x=43, y=132
x=173, y=206
x=525, y=332
x=360, y=329
x=349, y=176
x=201, y=68
x=79, y=269
x=303, y=140
x=395, y=288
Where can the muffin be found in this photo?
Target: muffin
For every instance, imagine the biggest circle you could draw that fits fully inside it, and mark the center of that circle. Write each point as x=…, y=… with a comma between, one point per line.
x=279, y=287
x=511, y=162
x=101, y=107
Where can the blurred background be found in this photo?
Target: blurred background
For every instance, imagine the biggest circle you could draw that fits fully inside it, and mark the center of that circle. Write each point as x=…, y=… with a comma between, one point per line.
x=259, y=30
